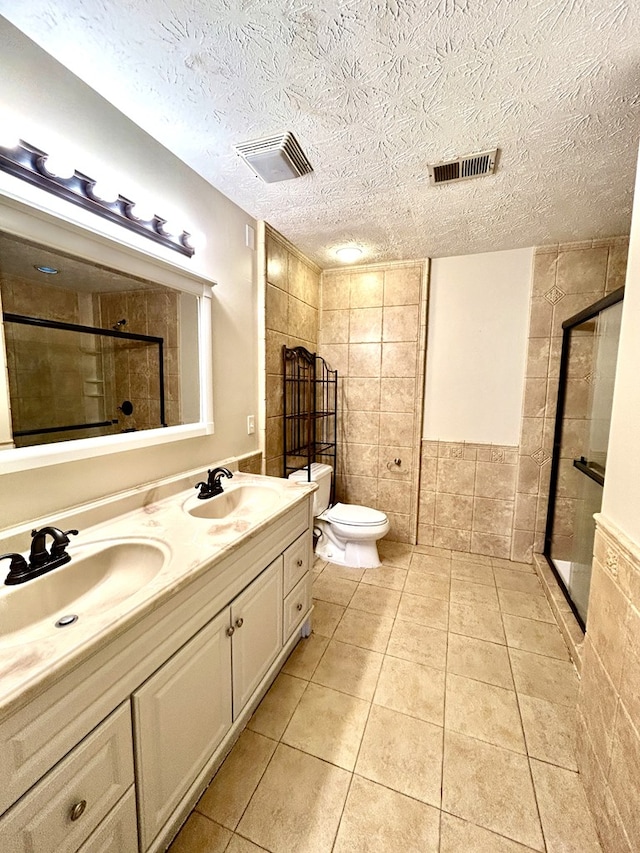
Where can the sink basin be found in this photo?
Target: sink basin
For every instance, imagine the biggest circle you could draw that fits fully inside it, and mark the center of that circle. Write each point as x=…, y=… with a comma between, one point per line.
x=100, y=576
x=235, y=502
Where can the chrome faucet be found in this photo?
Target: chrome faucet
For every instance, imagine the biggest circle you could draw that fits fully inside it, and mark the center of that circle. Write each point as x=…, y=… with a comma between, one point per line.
x=40, y=560
x=213, y=486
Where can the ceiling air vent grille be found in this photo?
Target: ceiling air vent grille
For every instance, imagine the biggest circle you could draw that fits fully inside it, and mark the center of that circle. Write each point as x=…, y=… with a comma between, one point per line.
x=464, y=168
x=275, y=158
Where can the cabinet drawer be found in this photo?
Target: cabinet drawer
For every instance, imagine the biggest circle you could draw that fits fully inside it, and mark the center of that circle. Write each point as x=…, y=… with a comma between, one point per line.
x=297, y=561
x=96, y=773
x=296, y=606
x=118, y=831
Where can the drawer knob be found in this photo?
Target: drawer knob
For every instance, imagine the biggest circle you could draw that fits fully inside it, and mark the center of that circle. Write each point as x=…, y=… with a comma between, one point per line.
x=299, y=606
x=239, y=622
x=77, y=810
x=230, y=631
x=300, y=562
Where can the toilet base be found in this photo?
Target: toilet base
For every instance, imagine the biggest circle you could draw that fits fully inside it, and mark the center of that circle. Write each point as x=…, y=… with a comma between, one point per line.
x=359, y=555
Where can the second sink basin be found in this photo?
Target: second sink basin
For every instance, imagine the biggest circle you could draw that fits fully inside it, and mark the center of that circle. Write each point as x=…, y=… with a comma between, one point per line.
x=100, y=576
x=236, y=501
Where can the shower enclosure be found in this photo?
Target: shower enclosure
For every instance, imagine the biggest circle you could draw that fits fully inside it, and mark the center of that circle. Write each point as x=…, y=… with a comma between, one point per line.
x=73, y=381
x=585, y=394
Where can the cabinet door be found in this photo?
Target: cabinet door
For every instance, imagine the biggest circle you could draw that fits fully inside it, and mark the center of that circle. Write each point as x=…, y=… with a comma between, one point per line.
x=257, y=622
x=181, y=714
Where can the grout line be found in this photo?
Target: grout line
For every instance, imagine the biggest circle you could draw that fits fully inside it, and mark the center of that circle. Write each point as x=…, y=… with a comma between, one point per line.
x=526, y=745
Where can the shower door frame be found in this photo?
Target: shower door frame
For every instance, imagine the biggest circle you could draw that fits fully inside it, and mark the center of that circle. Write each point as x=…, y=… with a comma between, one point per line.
x=568, y=325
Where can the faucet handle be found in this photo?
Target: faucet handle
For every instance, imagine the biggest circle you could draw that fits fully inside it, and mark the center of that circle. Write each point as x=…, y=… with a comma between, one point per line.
x=17, y=569
x=60, y=542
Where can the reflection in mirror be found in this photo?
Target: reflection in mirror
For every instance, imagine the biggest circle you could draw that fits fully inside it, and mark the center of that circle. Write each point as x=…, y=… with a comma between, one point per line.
x=92, y=351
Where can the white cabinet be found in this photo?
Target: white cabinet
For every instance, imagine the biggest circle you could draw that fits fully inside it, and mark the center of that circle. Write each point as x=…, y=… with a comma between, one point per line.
x=180, y=716
x=190, y=672
x=182, y=713
x=256, y=621
x=63, y=809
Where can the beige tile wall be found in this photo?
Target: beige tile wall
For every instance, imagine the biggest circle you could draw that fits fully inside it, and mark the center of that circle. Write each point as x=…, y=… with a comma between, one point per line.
x=566, y=278
x=135, y=365
x=291, y=318
x=372, y=330
x=608, y=746
x=38, y=399
x=129, y=371
x=467, y=497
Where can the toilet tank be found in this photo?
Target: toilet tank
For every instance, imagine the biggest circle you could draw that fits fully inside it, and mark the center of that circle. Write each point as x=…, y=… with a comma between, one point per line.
x=320, y=474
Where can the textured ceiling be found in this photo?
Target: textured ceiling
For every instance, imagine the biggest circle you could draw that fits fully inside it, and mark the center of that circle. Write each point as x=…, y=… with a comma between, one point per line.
x=374, y=90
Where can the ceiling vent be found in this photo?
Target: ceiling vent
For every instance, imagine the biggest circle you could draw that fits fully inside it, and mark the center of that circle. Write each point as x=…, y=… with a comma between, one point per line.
x=275, y=158
x=464, y=168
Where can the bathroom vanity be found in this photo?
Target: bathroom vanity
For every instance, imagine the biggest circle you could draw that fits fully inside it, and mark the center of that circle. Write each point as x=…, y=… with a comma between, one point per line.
x=111, y=727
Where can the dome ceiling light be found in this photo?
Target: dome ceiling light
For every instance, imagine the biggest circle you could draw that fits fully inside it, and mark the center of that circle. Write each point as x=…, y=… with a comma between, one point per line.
x=349, y=254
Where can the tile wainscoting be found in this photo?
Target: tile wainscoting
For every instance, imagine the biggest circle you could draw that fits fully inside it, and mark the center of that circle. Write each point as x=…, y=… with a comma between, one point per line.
x=467, y=497
x=608, y=749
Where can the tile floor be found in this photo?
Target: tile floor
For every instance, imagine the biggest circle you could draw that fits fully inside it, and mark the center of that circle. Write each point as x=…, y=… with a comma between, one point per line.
x=430, y=711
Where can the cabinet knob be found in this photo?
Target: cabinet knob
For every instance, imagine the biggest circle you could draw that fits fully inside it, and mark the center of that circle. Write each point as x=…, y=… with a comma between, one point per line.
x=230, y=631
x=77, y=810
x=299, y=606
x=239, y=622
x=300, y=562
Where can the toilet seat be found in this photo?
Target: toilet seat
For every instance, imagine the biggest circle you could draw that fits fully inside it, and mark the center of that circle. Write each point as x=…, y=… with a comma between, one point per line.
x=354, y=515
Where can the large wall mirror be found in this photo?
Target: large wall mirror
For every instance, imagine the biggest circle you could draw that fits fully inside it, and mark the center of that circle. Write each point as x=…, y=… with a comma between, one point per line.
x=96, y=354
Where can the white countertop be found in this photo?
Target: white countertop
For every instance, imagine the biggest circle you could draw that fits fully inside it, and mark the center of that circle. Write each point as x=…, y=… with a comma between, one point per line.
x=33, y=658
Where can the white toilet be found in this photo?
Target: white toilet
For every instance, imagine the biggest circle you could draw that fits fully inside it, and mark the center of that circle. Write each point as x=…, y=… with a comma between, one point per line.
x=348, y=532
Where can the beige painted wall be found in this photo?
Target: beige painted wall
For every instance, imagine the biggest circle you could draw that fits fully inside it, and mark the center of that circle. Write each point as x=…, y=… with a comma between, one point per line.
x=477, y=330
x=98, y=134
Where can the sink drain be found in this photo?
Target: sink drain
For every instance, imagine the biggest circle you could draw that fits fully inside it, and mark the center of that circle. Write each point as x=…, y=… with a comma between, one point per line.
x=63, y=621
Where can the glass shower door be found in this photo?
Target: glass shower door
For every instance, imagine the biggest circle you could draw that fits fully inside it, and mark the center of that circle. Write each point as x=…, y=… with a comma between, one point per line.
x=587, y=373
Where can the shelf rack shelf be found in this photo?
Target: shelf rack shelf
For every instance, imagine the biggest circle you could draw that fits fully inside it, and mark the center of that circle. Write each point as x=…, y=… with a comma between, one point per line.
x=310, y=390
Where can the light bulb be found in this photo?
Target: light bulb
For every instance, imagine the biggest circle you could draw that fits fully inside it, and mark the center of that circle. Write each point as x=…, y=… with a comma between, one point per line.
x=9, y=137
x=142, y=211
x=58, y=165
x=194, y=239
x=170, y=228
x=103, y=190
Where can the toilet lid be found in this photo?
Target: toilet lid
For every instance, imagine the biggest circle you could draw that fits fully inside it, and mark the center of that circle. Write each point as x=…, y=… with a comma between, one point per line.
x=354, y=514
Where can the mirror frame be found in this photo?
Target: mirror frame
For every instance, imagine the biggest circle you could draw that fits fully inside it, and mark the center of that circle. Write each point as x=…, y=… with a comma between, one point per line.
x=55, y=231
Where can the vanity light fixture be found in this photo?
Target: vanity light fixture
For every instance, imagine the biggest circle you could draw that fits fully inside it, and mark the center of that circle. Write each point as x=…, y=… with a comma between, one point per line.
x=29, y=163
x=348, y=254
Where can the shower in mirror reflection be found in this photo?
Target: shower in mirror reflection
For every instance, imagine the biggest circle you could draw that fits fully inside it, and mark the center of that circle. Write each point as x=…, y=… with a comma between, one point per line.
x=59, y=377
